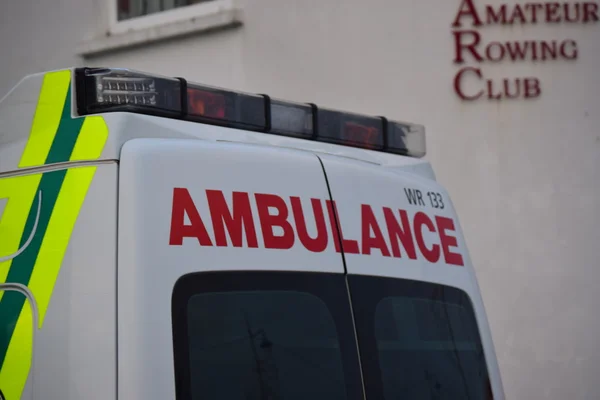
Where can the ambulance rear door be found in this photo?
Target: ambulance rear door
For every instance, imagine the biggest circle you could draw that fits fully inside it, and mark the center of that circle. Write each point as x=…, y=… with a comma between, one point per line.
x=419, y=316
x=229, y=282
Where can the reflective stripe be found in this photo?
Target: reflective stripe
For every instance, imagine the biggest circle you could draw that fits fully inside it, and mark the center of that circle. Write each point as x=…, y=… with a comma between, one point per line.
x=20, y=192
x=54, y=137
x=13, y=377
x=13, y=308
x=61, y=224
x=91, y=139
x=47, y=118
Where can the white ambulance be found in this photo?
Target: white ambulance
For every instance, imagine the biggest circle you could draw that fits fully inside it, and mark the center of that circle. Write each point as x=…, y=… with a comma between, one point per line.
x=161, y=239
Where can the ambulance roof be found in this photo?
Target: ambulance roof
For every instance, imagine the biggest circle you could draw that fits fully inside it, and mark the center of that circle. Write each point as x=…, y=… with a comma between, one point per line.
x=117, y=105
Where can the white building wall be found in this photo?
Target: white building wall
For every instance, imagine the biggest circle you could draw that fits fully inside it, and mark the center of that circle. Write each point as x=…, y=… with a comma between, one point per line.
x=523, y=173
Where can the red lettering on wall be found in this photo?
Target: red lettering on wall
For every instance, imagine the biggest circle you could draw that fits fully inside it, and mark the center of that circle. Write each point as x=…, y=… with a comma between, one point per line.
x=182, y=205
x=516, y=50
x=446, y=224
x=318, y=243
x=590, y=12
x=505, y=14
x=548, y=50
x=533, y=9
x=552, y=12
x=237, y=223
x=513, y=88
x=517, y=16
x=467, y=9
x=458, y=80
x=495, y=16
x=532, y=88
x=498, y=54
x=369, y=224
x=265, y=202
x=533, y=47
x=399, y=231
x=468, y=44
x=490, y=91
x=459, y=46
x=569, y=15
x=568, y=49
x=420, y=220
x=513, y=93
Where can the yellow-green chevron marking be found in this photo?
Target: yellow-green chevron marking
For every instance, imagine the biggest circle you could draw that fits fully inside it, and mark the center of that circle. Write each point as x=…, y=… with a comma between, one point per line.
x=54, y=137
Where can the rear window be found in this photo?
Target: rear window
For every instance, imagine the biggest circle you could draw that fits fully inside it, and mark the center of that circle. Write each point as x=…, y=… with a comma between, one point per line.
x=418, y=340
x=292, y=336
x=264, y=336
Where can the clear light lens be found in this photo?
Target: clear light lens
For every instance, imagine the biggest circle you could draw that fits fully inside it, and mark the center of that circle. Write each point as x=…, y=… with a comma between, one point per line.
x=126, y=90
x=291, y=119
x=406, y=139
x=105, y=89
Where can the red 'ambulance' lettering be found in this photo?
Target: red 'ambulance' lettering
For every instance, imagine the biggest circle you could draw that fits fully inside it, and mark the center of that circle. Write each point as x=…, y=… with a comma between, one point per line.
x=369, y=223
x=318, y=243
x=234, y=222
x=431, y=254
x=399, y=231
x=182, y=205
x=349, y=246
x=279, y=229
x=267, y=221
x=444, y=224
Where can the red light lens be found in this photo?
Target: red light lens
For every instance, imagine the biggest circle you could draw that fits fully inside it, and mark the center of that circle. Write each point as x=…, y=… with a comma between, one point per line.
x=206, y=104
x=350, y=129
x=366, y=136
x=226, y=108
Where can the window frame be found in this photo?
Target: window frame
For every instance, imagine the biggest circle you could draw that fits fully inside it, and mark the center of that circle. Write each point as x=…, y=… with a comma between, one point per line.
x=167, y=17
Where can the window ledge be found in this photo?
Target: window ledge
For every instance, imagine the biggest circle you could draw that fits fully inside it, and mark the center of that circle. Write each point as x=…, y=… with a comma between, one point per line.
x=224, y=17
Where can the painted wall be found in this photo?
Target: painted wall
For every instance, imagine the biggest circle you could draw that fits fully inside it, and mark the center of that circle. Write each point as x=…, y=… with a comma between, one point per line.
x=524, y=173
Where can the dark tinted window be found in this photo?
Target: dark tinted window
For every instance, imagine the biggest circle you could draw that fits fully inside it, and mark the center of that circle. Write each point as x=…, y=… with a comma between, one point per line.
x=277, y=335
x=263, y=336
x=417, y=341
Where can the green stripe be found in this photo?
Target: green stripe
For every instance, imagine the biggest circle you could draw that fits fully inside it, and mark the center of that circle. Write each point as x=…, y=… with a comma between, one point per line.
x=66, y=136
x=22, y=266
x=50, y=185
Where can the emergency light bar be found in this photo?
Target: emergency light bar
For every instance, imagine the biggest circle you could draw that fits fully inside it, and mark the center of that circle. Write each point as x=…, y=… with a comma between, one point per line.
x=100, y=90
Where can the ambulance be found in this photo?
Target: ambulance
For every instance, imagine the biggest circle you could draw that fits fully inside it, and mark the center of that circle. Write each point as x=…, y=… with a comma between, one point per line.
x=162, y=239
